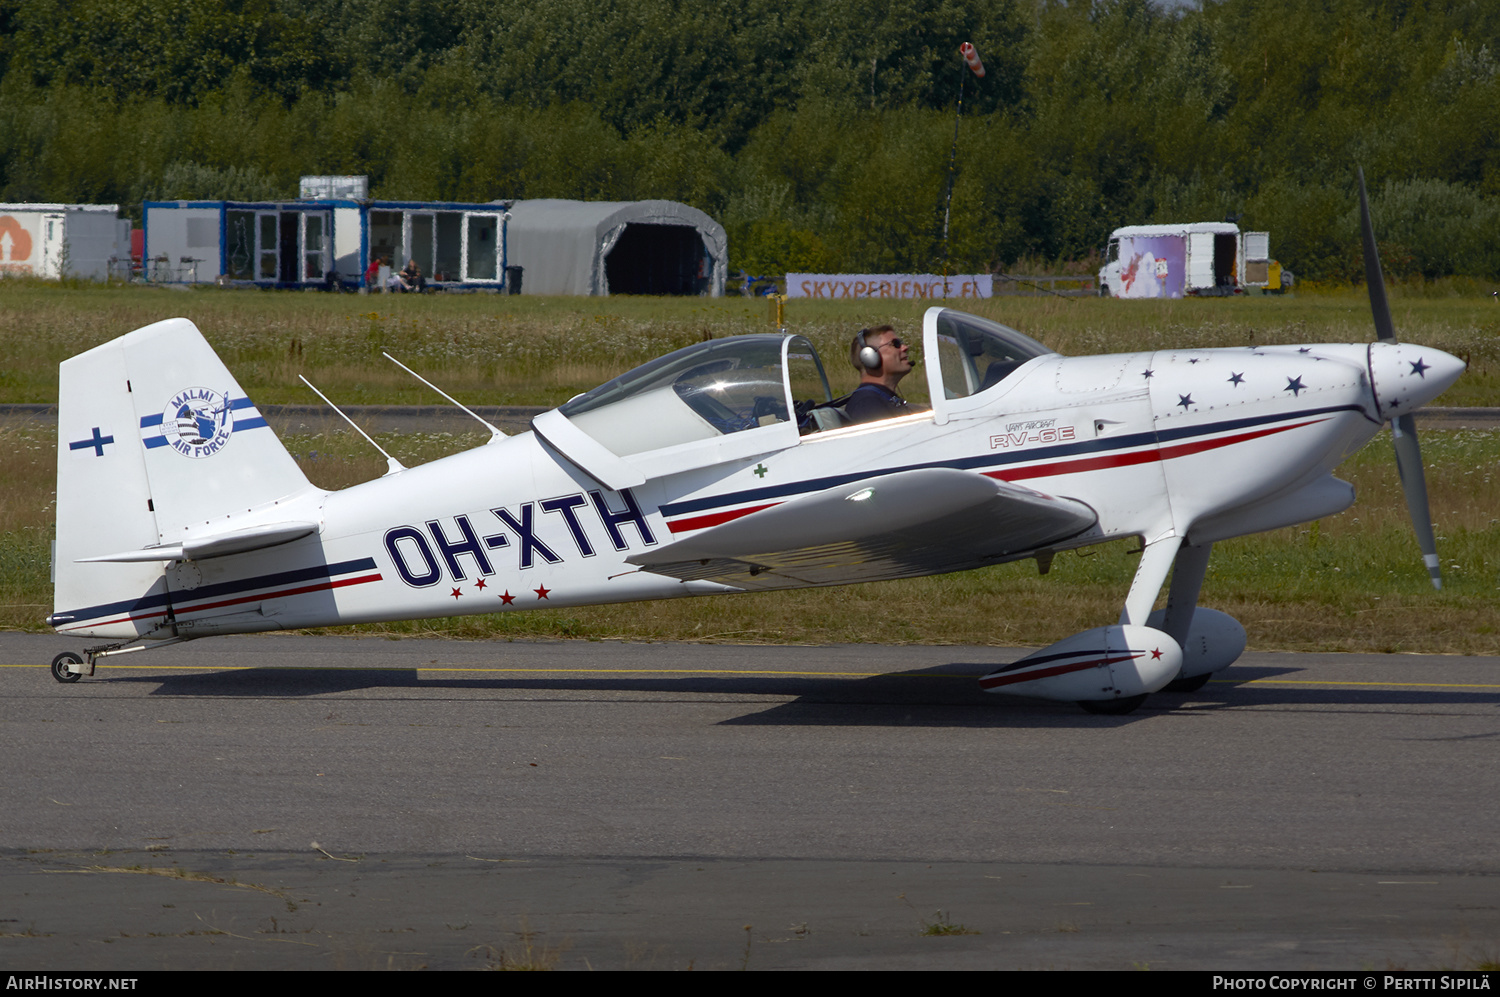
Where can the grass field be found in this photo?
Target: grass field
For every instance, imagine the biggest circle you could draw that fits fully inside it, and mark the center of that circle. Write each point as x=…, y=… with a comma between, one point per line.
x=1350, y=582
x=495, y=350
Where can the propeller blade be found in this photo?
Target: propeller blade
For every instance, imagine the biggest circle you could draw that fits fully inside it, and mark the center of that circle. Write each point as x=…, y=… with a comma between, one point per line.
x=1381, y=308
x=1403, y=427
x=1414, y=484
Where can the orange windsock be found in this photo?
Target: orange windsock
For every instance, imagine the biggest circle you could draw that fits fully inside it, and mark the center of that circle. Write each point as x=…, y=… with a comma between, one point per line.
x=971, y=56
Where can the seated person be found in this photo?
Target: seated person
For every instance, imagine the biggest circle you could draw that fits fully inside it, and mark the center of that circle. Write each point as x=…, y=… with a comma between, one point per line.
x=882, y=361
x=409, y=279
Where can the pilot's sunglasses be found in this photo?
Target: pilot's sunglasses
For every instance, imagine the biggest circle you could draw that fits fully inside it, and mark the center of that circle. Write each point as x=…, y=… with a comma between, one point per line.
x=896, y=343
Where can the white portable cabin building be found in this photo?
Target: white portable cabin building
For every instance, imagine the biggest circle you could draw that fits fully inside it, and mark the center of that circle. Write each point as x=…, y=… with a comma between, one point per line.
x=321, y=242
x=616, y=247
x=63, y=240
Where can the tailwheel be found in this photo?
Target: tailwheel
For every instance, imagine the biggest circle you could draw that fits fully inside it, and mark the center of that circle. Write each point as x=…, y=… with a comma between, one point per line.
x=1192, y=684
x=1112, y=707
x=60, y=669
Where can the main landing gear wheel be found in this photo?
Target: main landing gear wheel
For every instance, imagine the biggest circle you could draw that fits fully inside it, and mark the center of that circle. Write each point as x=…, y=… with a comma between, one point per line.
x=1112, y=707
x=1189, y=684
x=60, y=670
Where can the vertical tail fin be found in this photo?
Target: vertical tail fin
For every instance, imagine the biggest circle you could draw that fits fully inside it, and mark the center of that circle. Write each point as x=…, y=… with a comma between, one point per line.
x=157, y=444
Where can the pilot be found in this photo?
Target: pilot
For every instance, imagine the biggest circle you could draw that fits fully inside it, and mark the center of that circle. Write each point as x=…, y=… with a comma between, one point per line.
x=882, y=361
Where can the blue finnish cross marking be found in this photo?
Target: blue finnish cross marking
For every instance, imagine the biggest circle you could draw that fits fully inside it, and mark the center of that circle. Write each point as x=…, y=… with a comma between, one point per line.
x=97, y=443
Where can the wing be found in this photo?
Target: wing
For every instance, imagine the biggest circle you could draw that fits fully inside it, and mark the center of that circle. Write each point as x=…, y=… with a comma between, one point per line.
x=898, y=525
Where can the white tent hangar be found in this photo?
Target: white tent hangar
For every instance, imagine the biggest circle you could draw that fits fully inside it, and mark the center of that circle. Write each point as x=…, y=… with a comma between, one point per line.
x=616, y=247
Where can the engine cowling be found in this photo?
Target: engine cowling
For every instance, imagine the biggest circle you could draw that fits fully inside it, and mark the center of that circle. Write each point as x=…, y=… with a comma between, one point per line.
x=1214, y=641
x=1105, y=663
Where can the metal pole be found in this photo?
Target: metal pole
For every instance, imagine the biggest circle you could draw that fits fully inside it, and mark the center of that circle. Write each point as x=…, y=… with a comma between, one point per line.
x=952, y=166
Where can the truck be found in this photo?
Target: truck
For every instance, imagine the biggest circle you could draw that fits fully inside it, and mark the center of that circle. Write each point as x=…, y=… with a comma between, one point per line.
x=1201, y=259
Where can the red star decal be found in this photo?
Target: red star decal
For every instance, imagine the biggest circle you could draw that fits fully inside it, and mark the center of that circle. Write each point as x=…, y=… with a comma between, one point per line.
x=1156, y=654
x=455, y=593
x=479, y=584
x=541, y=593
x=507, y=598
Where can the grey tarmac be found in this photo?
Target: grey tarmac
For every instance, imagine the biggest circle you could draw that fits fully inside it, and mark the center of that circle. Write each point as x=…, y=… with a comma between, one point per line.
x=289, y=801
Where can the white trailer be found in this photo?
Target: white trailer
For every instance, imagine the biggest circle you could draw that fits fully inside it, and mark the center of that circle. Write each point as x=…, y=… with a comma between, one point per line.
x=63, y=240
x=1197, y=259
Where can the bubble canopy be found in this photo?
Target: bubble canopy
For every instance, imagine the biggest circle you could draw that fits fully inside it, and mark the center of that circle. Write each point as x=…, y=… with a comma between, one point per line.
x=738, y=398
x=702, y=392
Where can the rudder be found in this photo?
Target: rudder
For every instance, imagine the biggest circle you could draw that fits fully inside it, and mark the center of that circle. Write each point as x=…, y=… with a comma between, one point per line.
x=157, y=444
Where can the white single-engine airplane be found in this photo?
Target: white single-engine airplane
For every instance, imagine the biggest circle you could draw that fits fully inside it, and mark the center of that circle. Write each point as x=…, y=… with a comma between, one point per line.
x=180, y=515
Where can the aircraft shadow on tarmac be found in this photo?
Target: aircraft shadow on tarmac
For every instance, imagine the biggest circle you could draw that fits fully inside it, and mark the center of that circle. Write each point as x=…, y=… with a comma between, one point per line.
x=944, y=695
x=988, y=710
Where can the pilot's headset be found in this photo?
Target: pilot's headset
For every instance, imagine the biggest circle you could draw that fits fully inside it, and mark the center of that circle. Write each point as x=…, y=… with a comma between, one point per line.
x=865, y=355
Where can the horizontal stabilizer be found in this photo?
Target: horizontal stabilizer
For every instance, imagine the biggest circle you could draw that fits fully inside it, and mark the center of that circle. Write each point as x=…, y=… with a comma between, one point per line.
x=887, y=526
x=217, y=545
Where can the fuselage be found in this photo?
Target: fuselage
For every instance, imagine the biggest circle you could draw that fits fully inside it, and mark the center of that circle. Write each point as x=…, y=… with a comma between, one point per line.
x=1224, y=441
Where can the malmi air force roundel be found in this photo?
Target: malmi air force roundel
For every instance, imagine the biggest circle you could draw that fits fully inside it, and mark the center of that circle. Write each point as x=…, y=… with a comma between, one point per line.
x=197, y=422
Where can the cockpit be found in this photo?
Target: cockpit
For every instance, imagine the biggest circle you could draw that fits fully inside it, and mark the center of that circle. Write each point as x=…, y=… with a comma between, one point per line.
x=698, y=393
x=751, y=395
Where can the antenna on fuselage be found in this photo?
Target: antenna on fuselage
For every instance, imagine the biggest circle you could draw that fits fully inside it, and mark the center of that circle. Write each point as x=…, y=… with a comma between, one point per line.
x=392, y=464
x=495, y=433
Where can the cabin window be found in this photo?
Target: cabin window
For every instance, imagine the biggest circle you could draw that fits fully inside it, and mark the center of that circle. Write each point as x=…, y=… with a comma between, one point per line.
x=314, y=248
x=448, y=255
x=483, y=249
x=385, y=238
x=240, y=244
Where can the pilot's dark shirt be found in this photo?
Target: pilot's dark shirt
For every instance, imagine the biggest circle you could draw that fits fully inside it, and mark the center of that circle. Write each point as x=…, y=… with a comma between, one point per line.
x=870, y=402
